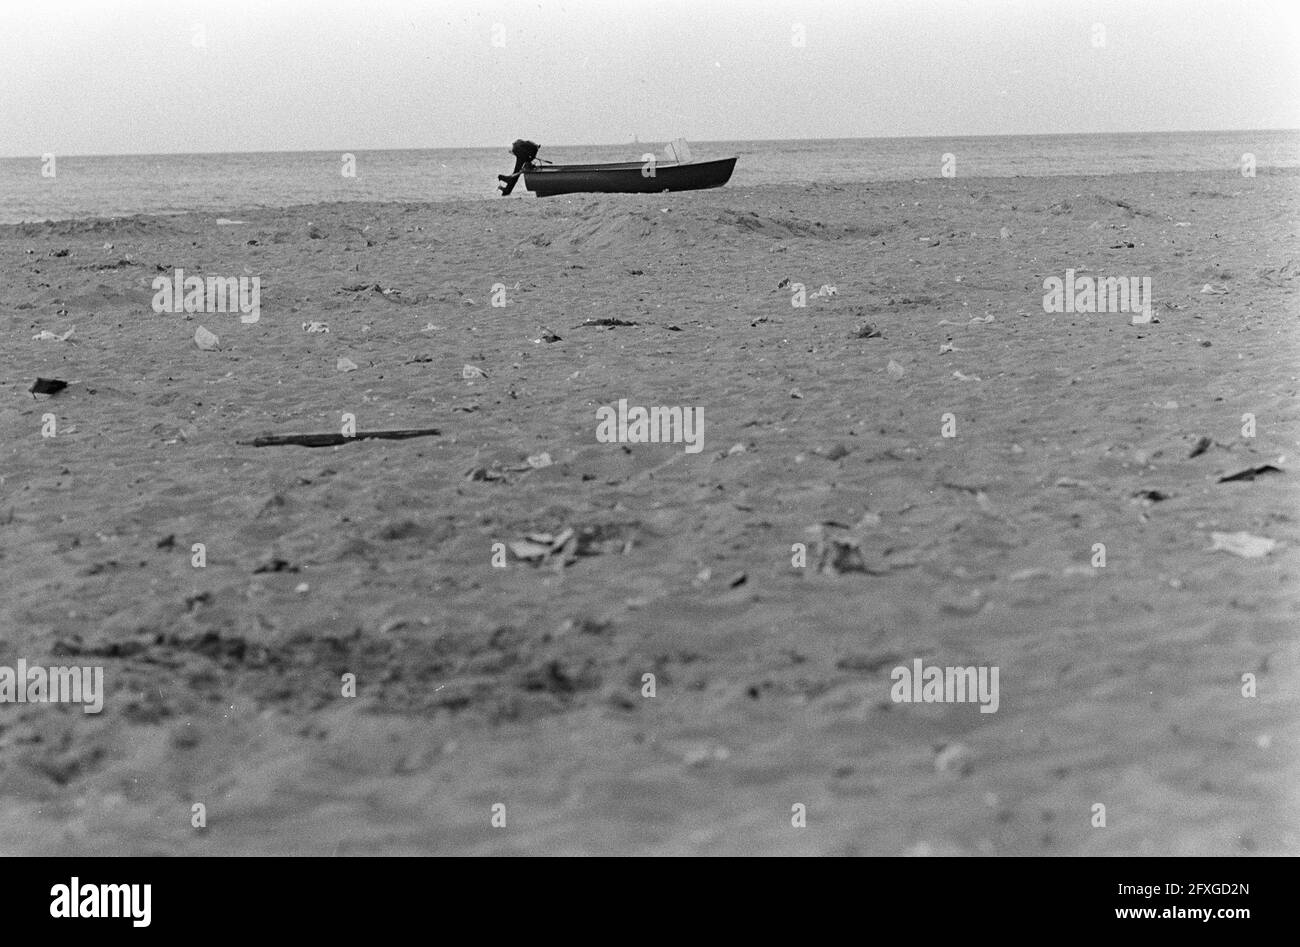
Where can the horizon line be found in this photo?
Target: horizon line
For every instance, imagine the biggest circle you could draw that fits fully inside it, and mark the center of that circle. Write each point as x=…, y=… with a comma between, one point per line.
x=637, y=141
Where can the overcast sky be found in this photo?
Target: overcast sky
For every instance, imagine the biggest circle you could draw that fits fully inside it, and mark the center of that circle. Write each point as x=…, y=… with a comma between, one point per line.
x=149, y=76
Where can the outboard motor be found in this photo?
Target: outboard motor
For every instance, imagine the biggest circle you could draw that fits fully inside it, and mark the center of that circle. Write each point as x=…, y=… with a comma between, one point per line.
x=525, y=153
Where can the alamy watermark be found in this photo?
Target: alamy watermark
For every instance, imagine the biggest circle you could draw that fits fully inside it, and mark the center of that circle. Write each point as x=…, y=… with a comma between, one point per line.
x=181, y=293
x=656, y=425
x=57, y=685
x=1094, y=294
x=945, y=685
x=78, y=900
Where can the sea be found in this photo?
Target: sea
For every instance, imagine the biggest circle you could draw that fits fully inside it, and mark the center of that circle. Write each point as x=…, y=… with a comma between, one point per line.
x=123, y=185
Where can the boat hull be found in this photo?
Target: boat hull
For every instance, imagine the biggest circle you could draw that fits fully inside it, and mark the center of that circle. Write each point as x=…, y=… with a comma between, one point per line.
x=627, y=178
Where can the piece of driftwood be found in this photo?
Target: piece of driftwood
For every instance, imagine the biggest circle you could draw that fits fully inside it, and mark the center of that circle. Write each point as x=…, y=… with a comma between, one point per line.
x=606, y=322
x=1250, y=473
x=333, y=440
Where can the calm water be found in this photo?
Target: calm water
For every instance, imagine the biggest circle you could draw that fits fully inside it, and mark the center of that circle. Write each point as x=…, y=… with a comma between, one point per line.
x=116, y=186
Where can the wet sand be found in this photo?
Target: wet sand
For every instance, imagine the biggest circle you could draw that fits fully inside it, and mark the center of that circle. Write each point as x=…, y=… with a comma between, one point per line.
x=1120, y=685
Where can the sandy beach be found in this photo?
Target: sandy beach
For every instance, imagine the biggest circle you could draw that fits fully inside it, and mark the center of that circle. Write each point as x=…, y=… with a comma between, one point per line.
x=481, y=686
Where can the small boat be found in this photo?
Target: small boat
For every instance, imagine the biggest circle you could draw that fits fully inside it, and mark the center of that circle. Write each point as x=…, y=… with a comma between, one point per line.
x=629, y=177
x=675, y=172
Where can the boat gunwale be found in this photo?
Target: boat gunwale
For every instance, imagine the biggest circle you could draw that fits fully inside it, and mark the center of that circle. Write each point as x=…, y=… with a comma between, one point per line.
x=622, y=166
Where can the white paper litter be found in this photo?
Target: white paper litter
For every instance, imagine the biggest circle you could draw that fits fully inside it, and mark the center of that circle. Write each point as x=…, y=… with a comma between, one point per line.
x=1243, y=544
x=45, y=335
